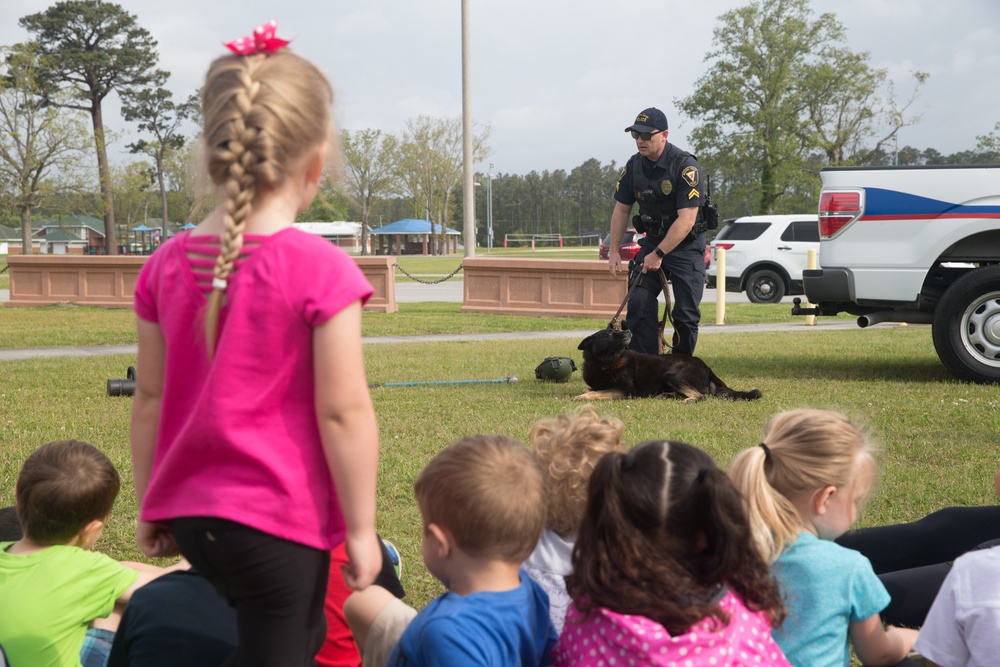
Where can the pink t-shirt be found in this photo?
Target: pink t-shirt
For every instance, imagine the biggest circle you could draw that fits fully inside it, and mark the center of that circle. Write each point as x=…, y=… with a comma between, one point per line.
x=238, y=437
x=607, y=638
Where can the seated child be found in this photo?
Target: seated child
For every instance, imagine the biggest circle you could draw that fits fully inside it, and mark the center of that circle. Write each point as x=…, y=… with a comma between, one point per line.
x=664, y=570
x=963, y=625
x=52, y=586
x=180, y=619
x=803, y=486
x=482, y=503
x=568, y=448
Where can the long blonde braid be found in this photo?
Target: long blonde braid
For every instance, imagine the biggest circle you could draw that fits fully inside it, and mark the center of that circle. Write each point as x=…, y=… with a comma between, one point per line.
x=261, y=113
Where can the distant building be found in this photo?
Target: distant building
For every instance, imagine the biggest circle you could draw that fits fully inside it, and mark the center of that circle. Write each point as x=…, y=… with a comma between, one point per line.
x=412, y=237
x=347, y=235
x=72, y=235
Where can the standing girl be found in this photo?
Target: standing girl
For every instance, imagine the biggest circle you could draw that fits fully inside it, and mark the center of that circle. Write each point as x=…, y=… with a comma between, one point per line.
x=664, y=571
x=803, y=485
x=254, y=441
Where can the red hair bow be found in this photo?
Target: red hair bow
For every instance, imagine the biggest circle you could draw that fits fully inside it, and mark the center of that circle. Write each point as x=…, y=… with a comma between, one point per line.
x=263, y=40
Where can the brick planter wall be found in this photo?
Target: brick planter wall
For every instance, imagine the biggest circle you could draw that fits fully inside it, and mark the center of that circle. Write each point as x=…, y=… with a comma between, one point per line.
x=526, y=286
x=109, y=280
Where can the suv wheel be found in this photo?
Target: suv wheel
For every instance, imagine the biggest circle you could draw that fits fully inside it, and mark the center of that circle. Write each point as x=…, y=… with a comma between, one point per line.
x=966, y=327
x=765, y=286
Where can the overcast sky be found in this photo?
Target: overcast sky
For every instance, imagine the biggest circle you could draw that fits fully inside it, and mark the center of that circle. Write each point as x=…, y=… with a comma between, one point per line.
x=558, y=80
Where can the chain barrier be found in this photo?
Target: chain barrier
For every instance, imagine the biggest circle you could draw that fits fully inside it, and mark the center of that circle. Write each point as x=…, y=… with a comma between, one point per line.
x=428, y=282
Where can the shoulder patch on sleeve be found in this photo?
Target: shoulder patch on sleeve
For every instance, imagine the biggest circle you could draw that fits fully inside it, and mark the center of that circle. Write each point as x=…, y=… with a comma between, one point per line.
x=690, y=175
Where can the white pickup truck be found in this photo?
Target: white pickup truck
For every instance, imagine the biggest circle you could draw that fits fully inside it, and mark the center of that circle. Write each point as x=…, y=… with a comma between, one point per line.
x=915, y=244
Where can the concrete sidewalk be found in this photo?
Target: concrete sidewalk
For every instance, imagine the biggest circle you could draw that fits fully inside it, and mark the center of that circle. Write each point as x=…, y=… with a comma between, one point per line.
x=15, y=354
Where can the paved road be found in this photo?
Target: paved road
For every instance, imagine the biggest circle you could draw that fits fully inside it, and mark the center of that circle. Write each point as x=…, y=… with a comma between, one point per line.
x=452, y=291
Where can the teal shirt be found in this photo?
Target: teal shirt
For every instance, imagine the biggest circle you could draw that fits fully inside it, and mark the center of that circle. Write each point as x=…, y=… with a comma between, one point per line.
x=825, y=587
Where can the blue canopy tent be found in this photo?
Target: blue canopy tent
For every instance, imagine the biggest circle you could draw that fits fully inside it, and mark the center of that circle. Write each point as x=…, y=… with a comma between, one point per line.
x=188, y=225
x=139, y=233
x=411, y=236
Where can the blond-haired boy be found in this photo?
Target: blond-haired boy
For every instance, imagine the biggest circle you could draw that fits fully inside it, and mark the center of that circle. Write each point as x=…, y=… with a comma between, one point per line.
x=482, y=503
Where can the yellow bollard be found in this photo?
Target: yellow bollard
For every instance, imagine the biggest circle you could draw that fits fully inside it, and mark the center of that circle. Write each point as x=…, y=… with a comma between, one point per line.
x=720, y=285
x=811, y=263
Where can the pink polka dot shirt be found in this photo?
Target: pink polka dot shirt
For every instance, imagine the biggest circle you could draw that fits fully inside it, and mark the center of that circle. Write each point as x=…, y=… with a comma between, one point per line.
x=608, y=639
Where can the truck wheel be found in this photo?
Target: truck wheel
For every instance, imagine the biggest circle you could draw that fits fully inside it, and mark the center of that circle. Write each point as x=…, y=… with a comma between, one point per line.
x=765, y=286
x=966, y=327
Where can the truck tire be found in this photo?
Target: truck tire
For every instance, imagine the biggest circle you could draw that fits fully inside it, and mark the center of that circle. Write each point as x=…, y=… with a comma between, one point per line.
x=966, y=328
x=765, y=286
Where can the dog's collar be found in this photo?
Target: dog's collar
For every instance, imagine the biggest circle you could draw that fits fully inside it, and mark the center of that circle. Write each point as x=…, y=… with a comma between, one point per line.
x=618, y=364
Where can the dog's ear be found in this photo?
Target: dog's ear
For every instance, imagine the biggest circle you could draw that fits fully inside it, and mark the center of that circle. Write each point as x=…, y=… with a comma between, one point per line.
x=585, y=343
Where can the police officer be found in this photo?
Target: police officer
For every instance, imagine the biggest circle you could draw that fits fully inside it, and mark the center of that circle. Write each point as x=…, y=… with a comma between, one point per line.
x=666, y=182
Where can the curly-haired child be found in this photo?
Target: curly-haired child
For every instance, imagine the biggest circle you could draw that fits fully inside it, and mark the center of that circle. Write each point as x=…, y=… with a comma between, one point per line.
x=568, y=448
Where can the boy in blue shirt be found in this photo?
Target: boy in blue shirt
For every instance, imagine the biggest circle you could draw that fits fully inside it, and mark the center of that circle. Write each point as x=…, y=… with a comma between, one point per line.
x=482, y=503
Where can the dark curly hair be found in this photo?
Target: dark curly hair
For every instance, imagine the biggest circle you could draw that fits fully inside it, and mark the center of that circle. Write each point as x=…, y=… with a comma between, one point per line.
x=664, y=530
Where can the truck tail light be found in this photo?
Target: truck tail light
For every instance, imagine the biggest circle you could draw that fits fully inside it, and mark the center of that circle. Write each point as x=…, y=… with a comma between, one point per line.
x=724, y=246
x=837, y=209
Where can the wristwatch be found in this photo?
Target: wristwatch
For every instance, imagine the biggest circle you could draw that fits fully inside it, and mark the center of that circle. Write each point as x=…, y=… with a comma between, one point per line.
x=659, y=252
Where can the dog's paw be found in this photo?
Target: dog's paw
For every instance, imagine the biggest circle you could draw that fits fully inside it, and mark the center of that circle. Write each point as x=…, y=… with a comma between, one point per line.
x=601, y=395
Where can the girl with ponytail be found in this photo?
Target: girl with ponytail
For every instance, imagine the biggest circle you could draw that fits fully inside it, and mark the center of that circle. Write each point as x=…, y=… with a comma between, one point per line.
x=803, y=485
x=254, y=440
x=664, y=569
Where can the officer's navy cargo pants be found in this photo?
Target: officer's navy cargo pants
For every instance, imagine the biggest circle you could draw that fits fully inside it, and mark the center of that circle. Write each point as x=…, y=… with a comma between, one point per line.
x=685, y=268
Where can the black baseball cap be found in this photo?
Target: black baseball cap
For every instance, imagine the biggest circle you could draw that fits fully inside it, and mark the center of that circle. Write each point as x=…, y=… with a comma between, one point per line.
x=649, y=120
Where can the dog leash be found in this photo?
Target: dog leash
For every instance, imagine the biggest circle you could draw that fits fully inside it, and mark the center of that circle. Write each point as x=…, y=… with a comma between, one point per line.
x=664, y=347
x=615, y=323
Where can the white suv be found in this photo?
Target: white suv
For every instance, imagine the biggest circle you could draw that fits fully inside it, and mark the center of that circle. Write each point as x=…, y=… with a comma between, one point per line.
x=765, y=254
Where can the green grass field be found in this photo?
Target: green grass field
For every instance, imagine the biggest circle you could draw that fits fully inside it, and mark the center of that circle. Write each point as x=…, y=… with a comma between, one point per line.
x=936, y=436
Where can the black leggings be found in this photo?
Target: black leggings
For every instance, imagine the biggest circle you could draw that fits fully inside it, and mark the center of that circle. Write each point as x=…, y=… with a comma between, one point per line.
x=912, y=559
x=277, y=588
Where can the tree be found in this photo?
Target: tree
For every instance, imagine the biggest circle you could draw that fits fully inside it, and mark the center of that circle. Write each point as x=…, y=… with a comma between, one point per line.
x=186, y=175
x=330, y=204
x=846, y=110
x=370, y=159
x=988, y=146
x=38, y=144
x=158, y=115
x=431, y=167
x=782, y=94
x=94, y=47
x=132, y=182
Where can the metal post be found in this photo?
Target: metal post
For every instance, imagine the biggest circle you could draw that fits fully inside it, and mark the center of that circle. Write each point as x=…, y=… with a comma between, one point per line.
x=812, y=262
x=720, y=285
x=468, y=189
x=489, y=210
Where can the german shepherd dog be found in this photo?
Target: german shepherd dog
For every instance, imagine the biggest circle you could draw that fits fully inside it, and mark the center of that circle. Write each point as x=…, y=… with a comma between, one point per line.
x=612, y=371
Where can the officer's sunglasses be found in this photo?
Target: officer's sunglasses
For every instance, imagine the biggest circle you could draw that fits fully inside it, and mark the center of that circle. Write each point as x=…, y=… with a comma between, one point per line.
x=645, y=136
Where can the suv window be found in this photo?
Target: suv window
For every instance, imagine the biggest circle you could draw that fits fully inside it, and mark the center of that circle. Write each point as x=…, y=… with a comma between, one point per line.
x=802, y=230
x=745, y=231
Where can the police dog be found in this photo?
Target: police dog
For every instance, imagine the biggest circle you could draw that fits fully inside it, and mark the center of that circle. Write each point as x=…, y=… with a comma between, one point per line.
x=612, y=371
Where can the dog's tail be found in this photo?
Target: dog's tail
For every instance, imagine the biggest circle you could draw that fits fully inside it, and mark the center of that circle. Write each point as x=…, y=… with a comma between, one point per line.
x=719, y=388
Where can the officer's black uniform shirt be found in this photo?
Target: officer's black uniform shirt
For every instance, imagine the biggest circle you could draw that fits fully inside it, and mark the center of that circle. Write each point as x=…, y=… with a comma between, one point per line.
x=681, y=189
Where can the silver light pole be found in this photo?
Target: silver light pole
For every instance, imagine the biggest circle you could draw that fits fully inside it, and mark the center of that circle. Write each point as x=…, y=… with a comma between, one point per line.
x=489, y=211
x=468, y=189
